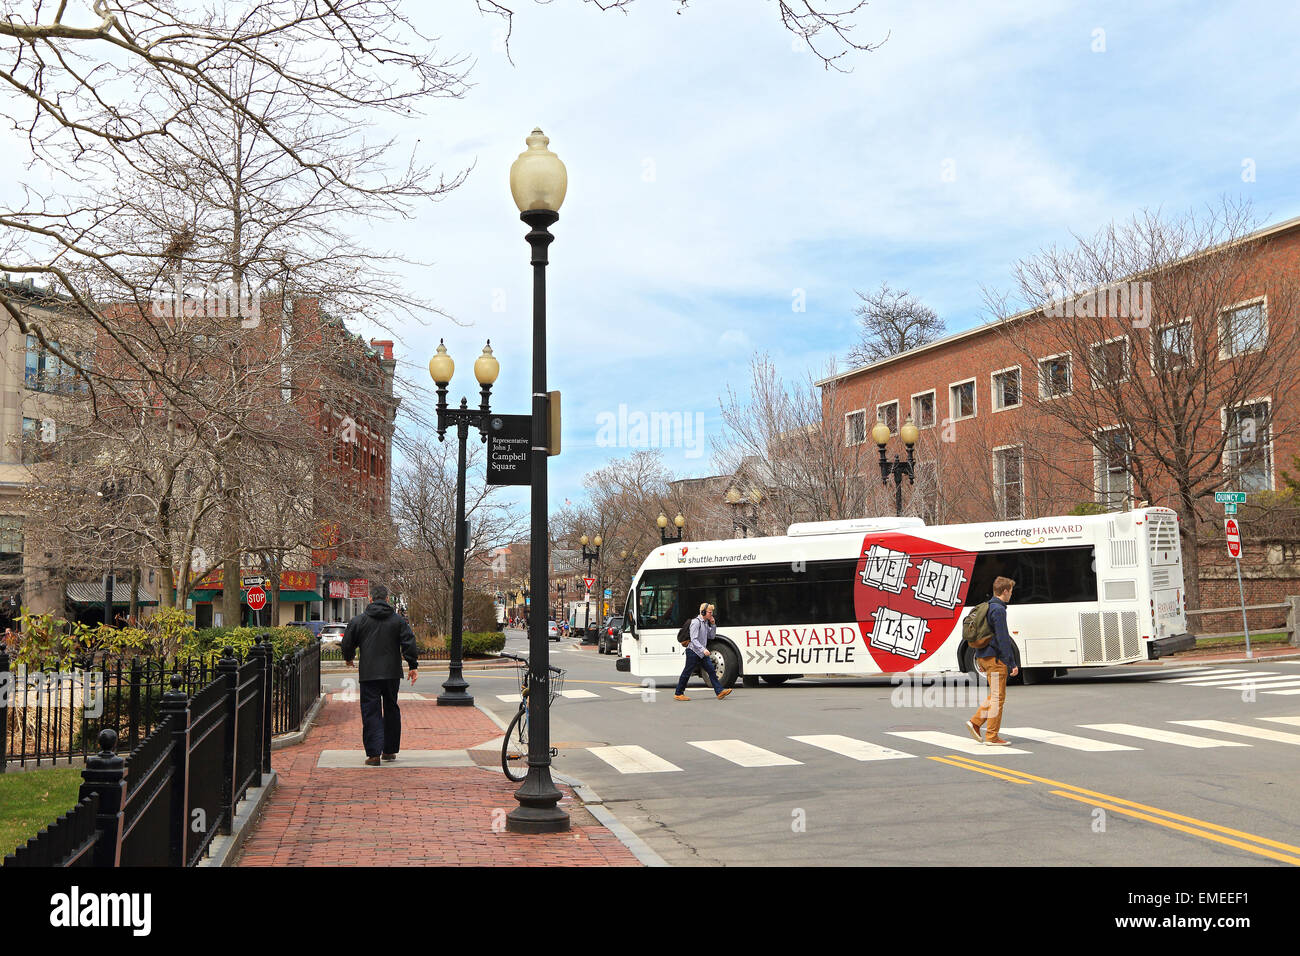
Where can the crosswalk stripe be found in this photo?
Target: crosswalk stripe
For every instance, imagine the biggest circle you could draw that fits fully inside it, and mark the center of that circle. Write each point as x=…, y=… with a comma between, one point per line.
x=1216, y=675
x=577, y=694
x=1293, y=721
x=746, y=755
x=1163, y=736
x=1168, y=673
x=510, y=698
x=1261, y=683
x=634, y=690
x=849, y=747
x=633, y=759
x=1245, y=730
x=1065, y=740
x=1283, y=693
x=953, y=742
x=1253, y=676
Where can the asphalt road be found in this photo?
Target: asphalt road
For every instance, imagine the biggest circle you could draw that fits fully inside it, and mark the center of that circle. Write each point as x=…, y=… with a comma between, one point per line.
x=1088, y=795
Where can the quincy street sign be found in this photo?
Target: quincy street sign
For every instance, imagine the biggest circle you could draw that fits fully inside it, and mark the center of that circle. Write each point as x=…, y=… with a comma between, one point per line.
x=1230, y=497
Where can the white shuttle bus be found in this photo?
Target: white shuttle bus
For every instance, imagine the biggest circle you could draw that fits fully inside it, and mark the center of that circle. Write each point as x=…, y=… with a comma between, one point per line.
x=879, y=596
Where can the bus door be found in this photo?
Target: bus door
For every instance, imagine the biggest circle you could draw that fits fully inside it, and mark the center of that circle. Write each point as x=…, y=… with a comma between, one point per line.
x=659, y=615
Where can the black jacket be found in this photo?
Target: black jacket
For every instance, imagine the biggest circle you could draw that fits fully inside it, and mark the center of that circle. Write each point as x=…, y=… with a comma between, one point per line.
x=384, y=638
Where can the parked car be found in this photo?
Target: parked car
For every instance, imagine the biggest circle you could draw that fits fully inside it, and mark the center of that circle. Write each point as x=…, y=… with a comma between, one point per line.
x=611, y=633
x=332, y=633
x=552, y=631
x=313, y=626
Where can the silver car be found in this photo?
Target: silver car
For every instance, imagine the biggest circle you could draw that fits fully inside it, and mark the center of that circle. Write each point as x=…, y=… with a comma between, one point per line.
x=332, y=634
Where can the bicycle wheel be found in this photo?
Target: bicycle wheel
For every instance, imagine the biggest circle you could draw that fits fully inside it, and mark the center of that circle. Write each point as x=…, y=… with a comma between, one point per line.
x=514, y=749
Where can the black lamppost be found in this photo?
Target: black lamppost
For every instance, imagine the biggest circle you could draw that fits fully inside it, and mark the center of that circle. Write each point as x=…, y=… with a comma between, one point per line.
x=538, y=182
x=740, y=522
x=441, y=367
x=559, y=591
x=664, y=536
x=593, y=556
x=899, y=469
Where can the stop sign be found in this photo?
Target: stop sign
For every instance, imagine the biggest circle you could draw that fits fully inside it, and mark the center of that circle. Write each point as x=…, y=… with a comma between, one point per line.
x=1234, y=537
x=256, y=598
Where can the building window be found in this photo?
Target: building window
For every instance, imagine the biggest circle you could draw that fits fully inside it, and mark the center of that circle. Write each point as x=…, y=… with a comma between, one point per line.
x=1006, y=389
x=887, y=413
x=1248, y=450
x=1173, y=347
x=1109, y=363
x=38, y=439
x=923, y=409
x=1054, y=376
x=961, y=400
x=1243, y=329
x=44, y=372
x=1113, y=481
x=855, y=428
x=11, y=544
x=1008, y=481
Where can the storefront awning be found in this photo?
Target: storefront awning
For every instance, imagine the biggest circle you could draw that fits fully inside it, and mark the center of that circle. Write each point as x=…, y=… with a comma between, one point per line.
x=286, y=597
x=92, y=592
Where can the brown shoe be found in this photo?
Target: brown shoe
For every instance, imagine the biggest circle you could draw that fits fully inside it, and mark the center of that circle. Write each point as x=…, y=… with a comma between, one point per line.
x=680, y=697
x=724, y=693
x=976, y=730
x=372, y=761
x=389, y=757
x=997, y=742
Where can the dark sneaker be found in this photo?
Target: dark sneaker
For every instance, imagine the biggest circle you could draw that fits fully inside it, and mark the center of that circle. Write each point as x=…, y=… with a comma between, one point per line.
x=372, y=761
x=976, y=730
x=389, y=757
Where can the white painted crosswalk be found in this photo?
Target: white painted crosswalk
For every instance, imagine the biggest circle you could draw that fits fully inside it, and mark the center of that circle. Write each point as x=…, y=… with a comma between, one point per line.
x=743, y=754
x=1069, y=741
x=966, y=745
x=851, y=748
x=633, y=759
x=1244, y=730
x=1163, y=736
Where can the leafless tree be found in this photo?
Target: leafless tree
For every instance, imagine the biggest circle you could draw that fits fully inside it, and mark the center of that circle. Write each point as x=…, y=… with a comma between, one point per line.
x=1160, y=348
x=892, y=321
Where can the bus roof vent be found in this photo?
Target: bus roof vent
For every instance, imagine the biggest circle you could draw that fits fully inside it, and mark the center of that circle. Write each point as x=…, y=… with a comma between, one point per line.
x=853, y=525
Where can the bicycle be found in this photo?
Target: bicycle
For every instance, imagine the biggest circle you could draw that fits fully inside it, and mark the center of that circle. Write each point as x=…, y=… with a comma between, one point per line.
x=514, y=748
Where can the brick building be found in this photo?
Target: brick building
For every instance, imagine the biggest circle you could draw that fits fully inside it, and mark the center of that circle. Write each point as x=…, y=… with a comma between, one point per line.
x=1079, y=404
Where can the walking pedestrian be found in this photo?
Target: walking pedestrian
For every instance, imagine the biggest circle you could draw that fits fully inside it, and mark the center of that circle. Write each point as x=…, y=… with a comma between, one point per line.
x=998, y=660
x=697, y=652
x=383, y=638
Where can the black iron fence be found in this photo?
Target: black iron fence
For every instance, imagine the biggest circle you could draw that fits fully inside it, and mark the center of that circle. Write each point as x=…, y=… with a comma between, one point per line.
x=54, y=711
x=164, y=802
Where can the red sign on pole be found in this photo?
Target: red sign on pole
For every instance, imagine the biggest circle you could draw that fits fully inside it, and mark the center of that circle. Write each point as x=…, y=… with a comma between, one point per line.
x=256, y=598
x=590, y=582
x=1234, y=537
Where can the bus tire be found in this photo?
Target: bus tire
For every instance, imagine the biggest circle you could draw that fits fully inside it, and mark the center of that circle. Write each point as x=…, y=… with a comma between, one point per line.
x=749, y=680
x=966, y=661
x=730, y=663
x=776, y=680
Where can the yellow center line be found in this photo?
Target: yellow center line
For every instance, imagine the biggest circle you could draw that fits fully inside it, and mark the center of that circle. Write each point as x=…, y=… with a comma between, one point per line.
x=1168, y=815
x=977, y=770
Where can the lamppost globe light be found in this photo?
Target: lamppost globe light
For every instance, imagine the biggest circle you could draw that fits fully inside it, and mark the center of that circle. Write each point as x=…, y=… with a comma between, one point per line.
x=597, y=542
x=486, y=366
x=441, y=365
x=583, y=541
x=663, y=520
x=909, y=433
x=538, y=179
x=755, y=495
x=679, y=520
x=880, y=434
x=622, y=555
x=733, y=496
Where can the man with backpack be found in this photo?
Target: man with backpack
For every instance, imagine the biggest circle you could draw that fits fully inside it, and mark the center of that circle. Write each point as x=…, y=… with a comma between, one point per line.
x=996, y=656
x=694, y=636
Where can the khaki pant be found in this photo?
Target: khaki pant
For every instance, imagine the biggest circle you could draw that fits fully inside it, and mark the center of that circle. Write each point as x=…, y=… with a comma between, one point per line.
x=989, y=716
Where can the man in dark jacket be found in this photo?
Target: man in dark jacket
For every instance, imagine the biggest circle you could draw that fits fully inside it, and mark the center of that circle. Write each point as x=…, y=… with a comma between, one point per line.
x=998, y=659
x=383, y=638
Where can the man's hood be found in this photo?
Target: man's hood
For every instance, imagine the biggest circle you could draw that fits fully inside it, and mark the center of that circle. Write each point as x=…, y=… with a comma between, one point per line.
x=379, y=609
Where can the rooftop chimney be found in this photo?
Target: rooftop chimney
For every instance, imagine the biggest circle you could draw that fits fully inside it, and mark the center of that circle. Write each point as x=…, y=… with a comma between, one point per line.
x=386, y=345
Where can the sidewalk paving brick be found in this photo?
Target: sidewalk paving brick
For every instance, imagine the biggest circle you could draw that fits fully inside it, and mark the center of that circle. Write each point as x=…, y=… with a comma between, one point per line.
x=395, y=816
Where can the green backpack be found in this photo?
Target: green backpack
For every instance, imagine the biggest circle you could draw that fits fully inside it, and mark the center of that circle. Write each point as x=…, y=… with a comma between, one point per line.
x=976, y=629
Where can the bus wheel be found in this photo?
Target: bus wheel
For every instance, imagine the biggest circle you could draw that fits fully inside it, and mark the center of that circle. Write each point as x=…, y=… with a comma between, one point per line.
x=729, y=667
x=749, y=680
x=1036, y=675
x=966, y=660
x=776, y=680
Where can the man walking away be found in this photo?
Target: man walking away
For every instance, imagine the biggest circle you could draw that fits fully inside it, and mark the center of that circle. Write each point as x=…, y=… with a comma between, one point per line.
x=995, y=659
x=383, y=638
x=697, y=652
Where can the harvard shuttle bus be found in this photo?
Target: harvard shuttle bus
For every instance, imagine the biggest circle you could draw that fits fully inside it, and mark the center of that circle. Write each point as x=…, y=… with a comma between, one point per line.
x=887, y=595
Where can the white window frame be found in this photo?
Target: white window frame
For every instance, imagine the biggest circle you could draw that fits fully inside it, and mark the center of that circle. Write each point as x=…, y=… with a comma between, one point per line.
x=974, y=400
x=993, y=388
x=1243, y=304
x=1099, y=466
x=999, y=485
x=1223, y=423
x=898, y=420
x=1042, y=379
x=1128, y=362
x=934, y=408
x=848, y=436
x=1191, y=345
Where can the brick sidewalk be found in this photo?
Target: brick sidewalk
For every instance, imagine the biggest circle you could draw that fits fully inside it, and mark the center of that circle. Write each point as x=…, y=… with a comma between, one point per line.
x=391, y=816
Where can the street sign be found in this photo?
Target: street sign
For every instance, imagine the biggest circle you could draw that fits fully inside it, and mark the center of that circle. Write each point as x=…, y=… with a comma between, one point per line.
x=509, y=456
x=608, y=593
x=590, y=582
x=256, y=598
x=1234, y=537
x=1229, y=509
x=1230, y=497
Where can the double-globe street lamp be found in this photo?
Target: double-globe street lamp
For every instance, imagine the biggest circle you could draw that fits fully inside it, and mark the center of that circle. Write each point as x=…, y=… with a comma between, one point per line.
x=538, y=182
x=899, y=469
x=739, y=520
x=441, y=367
x=591, y=556
x=664, y=536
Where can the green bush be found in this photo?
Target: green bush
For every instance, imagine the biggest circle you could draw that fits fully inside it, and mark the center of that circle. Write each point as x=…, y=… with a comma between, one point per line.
x=284, y=640
x=480, y=643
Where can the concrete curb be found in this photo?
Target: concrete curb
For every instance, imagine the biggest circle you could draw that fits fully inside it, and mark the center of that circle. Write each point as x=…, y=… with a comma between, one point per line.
x=593, y=802
x=222, y=850
x=1179, y=661
x=298, y=736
